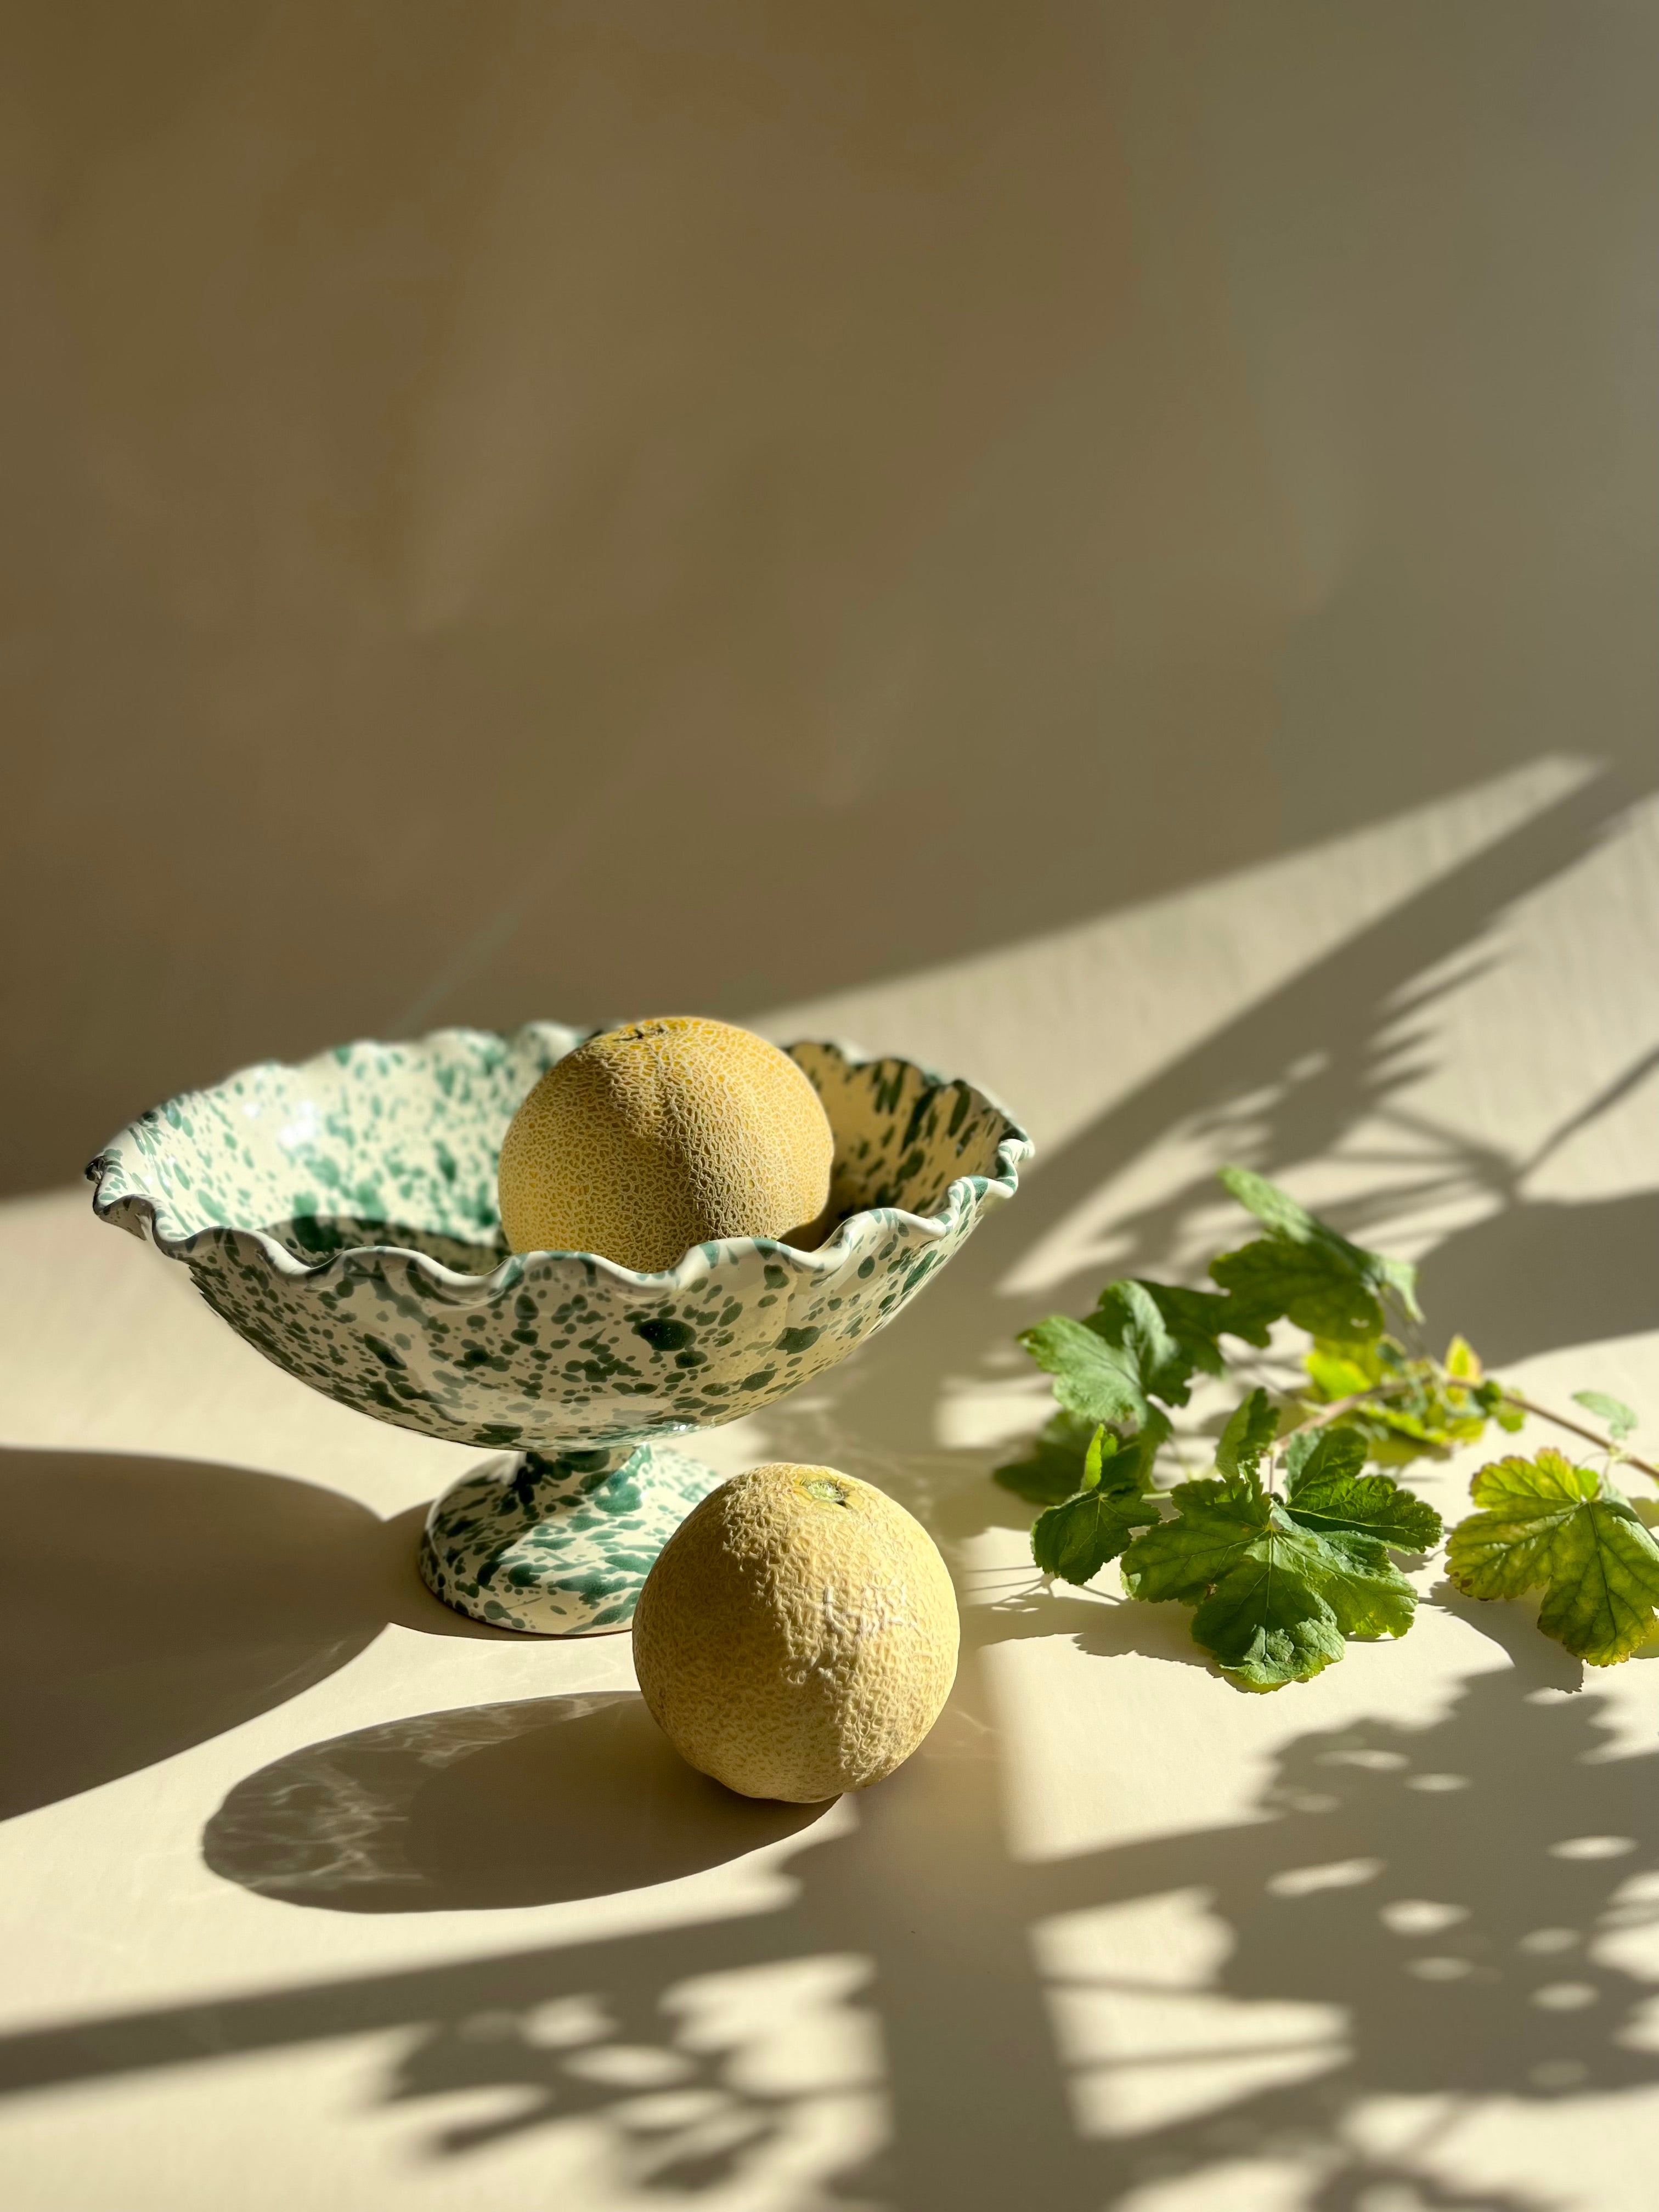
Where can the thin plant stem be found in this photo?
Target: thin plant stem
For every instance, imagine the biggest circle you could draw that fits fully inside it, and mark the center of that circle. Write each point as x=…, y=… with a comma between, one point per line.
x=1338, y=1406
x=1577, y=1428
x=1359, y=1398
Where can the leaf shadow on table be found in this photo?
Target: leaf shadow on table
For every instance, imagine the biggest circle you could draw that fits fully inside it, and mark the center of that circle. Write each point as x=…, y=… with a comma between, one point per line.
x=1448, y=1900
x=156, y=1602
x=1411, y=1916
x=1019, y=1609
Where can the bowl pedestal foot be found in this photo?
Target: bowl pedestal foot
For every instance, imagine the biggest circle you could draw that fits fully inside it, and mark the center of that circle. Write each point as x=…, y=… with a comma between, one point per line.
x=558, y=1544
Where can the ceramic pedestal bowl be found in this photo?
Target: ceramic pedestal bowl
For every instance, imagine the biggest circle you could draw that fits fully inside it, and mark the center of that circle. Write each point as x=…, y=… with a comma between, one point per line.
x=341, y=1215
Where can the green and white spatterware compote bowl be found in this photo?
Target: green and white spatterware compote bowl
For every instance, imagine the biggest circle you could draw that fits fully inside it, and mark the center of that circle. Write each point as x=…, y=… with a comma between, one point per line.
x=341, y=1215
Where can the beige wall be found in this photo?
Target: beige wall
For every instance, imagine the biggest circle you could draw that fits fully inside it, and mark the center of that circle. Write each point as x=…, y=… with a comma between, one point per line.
x=527, y=509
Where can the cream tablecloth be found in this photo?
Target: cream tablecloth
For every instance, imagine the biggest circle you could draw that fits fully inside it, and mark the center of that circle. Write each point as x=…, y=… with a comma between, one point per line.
x=313, y=1895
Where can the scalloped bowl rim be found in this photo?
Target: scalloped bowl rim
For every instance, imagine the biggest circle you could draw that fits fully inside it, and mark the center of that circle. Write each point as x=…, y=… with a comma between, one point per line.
x=1013, y=1148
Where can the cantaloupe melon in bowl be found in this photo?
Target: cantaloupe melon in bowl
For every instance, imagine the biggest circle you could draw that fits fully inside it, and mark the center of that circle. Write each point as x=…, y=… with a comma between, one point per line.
x=662, y=1134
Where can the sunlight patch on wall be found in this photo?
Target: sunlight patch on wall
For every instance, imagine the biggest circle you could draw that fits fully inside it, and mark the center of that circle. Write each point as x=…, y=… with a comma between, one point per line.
x=1491, y=1100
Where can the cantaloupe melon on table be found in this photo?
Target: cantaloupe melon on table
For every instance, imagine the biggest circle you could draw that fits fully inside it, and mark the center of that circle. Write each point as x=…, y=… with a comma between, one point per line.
x=648, y=1140
x=798, y=1635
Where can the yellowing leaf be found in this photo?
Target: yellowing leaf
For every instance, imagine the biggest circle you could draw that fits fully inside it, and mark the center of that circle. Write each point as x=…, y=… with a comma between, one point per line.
x=1414, y=1415
x=1335, y=1375
x=1565, y=1529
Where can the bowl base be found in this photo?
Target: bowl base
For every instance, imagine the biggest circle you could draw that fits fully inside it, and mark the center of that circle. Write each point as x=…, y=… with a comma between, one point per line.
x=558, y=1546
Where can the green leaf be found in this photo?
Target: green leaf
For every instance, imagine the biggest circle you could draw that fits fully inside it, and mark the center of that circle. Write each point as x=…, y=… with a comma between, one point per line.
x=1249, y=1430
x=1321, y=1281
x=1499, y=1406
x=1462, y=1361
x=1303, y=1283
x=1165, y=1335
x=1613, y=1411
x=1565, y=1529
x=1325, y=1490
x=1196, y=1319
x=1053, y=1467
x=1266, y=1627
x=1400, y=1278
x=1093, y=1379
x=1289, y=1221
x=1275, y=1209
x=1215, y=1524
x=1101, y=1445
x=1315, y=1456
x=1073, y=1540
x=1137, y=1455
x=1274, y=1600
x=1284, y=1617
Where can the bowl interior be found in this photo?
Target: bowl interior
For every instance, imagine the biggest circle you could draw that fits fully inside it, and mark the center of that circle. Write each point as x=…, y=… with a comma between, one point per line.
x=397, y=1145
x=368, y=1145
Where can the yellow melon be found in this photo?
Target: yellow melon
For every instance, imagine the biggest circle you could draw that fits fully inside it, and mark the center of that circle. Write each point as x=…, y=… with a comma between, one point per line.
x=648, y=1140
x=798, y=1635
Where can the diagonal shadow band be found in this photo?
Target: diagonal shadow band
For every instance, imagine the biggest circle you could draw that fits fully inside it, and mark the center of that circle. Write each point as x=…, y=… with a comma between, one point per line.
x=1543, y=1274
x=1456, y=1899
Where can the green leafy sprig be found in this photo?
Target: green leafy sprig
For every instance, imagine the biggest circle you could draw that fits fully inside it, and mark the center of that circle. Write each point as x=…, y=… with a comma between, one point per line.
x=1286, y=1551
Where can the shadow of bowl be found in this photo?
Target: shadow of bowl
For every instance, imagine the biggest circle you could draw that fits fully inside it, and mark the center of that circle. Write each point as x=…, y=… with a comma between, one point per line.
x=157, y=1602
x=165, y=1600
x=485, y=1806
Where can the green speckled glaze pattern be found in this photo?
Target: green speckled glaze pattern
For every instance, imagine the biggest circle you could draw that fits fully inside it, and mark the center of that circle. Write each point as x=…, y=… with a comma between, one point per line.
x=341, y=1216
x=559, y=1547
